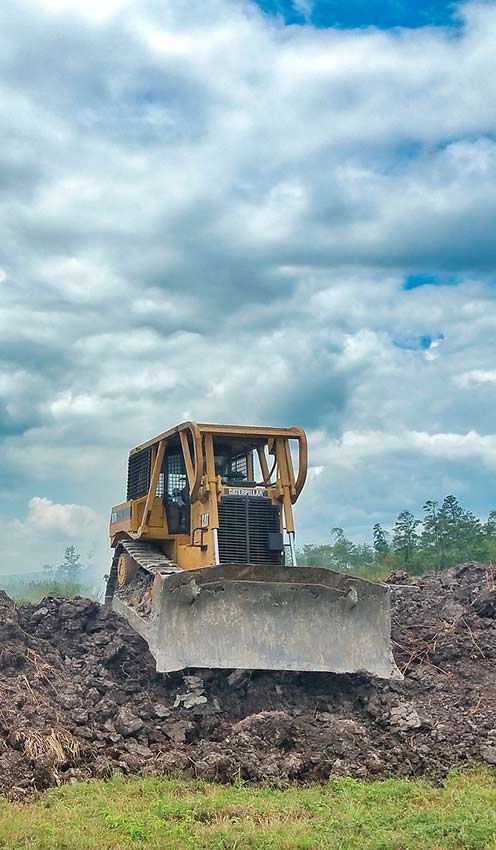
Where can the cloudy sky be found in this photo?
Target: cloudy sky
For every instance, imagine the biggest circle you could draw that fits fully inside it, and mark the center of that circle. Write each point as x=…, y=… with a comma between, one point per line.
x=278, y=213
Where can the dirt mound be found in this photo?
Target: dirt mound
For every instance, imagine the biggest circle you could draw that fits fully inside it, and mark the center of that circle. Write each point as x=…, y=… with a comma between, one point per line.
x=79, y=697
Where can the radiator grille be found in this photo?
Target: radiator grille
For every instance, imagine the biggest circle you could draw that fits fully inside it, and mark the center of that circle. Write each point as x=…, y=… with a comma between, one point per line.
x=245, y=523
x=138, y=474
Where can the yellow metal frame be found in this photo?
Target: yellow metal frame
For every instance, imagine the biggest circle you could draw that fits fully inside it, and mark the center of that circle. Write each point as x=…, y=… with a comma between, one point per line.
x=147, y=518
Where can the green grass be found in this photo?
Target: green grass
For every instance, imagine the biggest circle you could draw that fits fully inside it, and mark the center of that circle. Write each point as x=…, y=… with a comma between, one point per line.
x=35, y=591
x=175, y=815
x=375, y=572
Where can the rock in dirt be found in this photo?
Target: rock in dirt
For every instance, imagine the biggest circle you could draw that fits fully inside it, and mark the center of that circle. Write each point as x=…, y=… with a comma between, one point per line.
x=404, y=716
x=488, y=753
x=195, y=695
x=126, y=723
x=485, y=602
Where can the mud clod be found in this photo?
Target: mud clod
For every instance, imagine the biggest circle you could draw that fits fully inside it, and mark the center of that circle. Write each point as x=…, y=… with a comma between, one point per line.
x=79, y=697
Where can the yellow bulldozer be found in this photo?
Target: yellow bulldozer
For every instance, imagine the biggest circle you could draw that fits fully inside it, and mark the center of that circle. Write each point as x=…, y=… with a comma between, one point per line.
x=204, y=563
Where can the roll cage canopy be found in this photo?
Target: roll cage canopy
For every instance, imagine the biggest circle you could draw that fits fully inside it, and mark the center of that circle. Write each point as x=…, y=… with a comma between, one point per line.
x=193, y=437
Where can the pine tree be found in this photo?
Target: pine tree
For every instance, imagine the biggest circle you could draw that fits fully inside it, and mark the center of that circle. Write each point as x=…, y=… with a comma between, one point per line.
x=430, y=541
x=381, y=544
x=72, y=564
x=490, y=525
x=405, y=538
x=489, y=531
x=343, y=550
x=462, y=535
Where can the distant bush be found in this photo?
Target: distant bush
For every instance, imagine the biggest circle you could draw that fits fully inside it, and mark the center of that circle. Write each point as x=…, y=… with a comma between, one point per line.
x=35, y=591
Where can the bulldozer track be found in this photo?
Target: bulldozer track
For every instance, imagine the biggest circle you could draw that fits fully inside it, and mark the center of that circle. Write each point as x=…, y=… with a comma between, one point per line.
x=148, y=558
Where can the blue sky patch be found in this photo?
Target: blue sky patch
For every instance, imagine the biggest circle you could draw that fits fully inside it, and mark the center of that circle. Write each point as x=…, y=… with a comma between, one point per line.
x=413, y=281
x=359, y=13
x=417, y=343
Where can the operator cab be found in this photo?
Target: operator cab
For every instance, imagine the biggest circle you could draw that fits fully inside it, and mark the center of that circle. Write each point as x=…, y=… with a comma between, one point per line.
x=233, y=468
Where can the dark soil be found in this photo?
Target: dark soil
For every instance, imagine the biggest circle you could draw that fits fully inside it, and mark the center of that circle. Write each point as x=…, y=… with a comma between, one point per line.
x=79, y=697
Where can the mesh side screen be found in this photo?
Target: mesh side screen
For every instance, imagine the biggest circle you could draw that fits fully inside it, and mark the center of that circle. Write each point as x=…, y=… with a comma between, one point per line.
x=138, y=474
x=239, y=466
x=175, y=474
x=160, y=485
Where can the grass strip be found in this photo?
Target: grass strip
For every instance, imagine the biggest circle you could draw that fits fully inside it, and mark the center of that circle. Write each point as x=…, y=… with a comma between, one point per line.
x=161, y=813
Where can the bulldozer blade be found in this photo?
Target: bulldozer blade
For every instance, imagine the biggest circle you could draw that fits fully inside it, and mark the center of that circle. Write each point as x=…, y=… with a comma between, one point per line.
x=270, y=618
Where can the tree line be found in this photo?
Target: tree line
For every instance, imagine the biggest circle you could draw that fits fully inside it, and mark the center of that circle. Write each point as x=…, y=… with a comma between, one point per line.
x=447, y=534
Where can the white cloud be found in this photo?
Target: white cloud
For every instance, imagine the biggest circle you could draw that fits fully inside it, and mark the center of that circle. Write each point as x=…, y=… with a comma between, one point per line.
x=66, y=520
x=43, y=534
x=354, y=447
x=96, y=11
x=475, y=376
x=304, y=7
